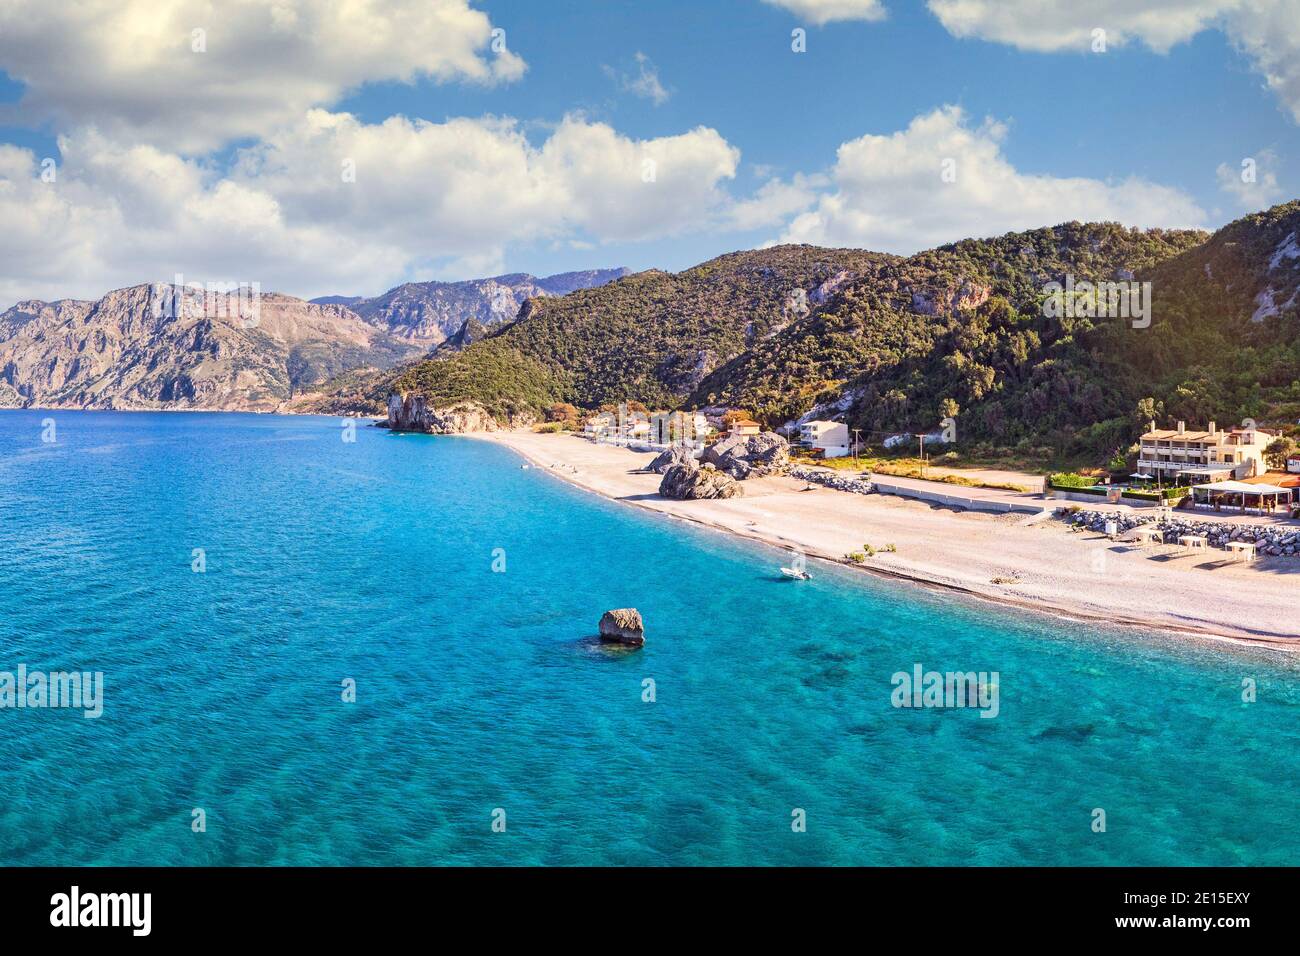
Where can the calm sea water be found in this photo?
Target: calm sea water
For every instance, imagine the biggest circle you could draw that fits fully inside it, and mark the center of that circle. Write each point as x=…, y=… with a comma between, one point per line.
x=475, y=690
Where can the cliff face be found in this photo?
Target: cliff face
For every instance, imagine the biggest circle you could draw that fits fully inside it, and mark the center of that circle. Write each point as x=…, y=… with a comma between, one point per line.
x=411, y=413
x=144, y=348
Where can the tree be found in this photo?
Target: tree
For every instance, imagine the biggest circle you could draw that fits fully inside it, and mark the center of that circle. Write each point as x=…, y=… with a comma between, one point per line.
x=1278, y=451
x=564, y=413
x=1148, y=410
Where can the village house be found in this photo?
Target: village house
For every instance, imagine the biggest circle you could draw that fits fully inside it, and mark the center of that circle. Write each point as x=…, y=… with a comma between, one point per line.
x=599, y=426
x=832, y=438
x=744, y=426
x=636, y=427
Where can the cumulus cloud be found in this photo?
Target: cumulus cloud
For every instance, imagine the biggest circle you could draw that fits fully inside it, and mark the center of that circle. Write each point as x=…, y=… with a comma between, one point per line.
x=1052, y=25
x=118, y=215
x=1266, y=31
x=943, y=179
x=332, y=203
x=139, y=71
x=1253, y=182
x=824, y=11
x=774, y=202
x=469, y=182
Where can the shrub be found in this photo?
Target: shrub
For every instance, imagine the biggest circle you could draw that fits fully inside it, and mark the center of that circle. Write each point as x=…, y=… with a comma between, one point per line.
x=1067, y=479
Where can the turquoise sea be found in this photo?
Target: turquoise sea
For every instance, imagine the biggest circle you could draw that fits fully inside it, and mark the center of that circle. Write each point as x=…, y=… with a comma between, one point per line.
x=372, y=560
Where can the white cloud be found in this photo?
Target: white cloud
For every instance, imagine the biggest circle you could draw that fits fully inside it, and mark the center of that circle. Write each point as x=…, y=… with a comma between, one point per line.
x=1266, y=31
x=468, y=183
x=1252, y=183
x=824, y=11
x=118, y=215
x=645, y=83
x=428, y=198
x=890, y=195
x=1052, y=25
x=129, y=67
x=774, y=202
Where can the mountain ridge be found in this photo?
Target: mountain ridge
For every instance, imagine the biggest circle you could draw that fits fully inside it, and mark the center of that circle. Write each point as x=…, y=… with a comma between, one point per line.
x=130, y=349
x=889, y=343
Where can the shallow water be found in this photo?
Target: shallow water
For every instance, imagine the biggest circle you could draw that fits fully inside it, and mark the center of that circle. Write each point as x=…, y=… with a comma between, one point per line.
x=476, y=690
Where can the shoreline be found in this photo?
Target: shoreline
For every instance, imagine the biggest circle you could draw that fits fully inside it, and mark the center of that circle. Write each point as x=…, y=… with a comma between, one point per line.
x=1183, y=610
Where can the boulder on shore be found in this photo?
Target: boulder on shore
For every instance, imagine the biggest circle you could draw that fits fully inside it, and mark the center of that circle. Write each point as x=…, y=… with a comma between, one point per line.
x=689, y=481
x=675, y=454
x=750, y=456
x=411, y=413
x=622, y=625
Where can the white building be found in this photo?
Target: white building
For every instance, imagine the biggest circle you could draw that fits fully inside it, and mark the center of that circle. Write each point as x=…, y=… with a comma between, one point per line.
x=1179, y=455
x=599, y=426
x=831, y=437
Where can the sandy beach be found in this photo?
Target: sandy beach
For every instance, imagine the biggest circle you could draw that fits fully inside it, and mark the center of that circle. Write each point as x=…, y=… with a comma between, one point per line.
x=1039, y=564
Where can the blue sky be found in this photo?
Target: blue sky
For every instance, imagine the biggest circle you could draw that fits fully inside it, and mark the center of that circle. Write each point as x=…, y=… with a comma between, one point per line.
x=1173, y=118
x=220, y=161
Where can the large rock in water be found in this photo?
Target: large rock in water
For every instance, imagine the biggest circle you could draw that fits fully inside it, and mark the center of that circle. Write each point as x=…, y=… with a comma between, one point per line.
x=622, y=626
x=411, y=413
x=750, y=456
x=689, y=481
x=676, y=454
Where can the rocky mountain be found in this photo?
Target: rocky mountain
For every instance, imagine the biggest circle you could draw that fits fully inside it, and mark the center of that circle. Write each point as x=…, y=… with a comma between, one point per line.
x=652, y=335
x=143, y=347
x=437, y=311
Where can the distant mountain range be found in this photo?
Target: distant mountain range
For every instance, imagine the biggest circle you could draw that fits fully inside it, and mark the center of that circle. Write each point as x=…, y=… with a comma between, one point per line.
x=439, y=310
x=141, y=348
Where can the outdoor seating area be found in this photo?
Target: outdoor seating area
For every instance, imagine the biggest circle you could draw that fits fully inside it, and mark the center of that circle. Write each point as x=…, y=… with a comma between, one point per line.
x=1243, y=496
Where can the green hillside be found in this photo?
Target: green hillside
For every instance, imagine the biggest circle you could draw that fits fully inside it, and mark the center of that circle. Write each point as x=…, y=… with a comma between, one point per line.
x=893, y=344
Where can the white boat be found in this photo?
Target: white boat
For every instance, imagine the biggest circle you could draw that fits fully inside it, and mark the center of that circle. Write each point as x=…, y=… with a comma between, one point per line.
x=797, y=574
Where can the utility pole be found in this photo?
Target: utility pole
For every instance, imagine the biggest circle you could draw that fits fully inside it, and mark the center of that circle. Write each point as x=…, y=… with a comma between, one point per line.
x=857, y=445
x=922, y=440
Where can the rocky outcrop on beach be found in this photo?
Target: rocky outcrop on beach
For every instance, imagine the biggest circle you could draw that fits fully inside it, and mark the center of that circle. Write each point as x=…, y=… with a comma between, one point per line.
x=624, y=626
x=832, y=479
x=676, y=454
x=750, y=456
x=690, y=481
x=412, y=413
x=1275, y=542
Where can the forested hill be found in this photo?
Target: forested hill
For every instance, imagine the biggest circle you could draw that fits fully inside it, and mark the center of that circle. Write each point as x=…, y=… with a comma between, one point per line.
x=652, y=336
x=961, y=330
x=891, y=343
